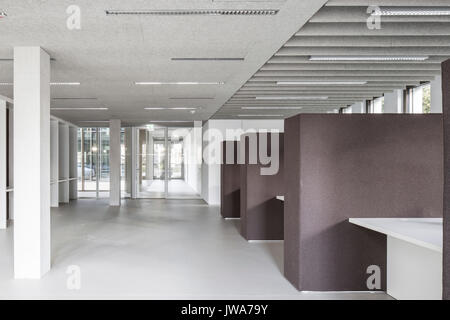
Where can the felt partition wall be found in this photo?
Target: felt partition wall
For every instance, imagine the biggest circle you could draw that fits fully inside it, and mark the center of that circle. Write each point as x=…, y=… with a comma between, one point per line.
x=230, y=181
x=261, y=213
x=347, y=166
x=446, y=114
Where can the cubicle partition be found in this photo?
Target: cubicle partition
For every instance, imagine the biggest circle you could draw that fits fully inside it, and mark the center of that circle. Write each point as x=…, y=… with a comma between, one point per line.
x=354, y=166
x=230, y=177
x=446, y=220
x=261, y=212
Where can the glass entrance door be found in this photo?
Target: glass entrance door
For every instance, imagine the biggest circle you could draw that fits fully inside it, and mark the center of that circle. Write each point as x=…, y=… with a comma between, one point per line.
x=162, y=163
x=93, y=162
x=151, y=162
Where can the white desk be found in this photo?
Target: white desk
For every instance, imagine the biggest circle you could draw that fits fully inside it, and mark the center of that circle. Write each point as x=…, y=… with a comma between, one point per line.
x=414, y=255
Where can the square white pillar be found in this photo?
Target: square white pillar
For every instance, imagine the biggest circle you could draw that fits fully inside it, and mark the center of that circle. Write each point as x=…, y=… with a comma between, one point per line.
x=10, y=183
x=3, y=180
x=54, y=163
x=31, y=162
x=359, y=107
x=114, y=162
x=73, y=163
x=63, y=159
x=393, y=102
x=436, y=95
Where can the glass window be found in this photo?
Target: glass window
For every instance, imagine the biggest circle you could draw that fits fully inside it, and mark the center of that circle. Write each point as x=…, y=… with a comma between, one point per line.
x=419, y=99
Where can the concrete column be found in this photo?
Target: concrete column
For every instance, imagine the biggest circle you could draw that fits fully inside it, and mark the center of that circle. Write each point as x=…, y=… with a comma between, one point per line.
x=54, y=163
x=31, y=162
x=73, y=163
x=134, y=162
x=446, y=213
x=114, y=162
x=11, y=163
x=359, y=107
x=128, y=159
x=417, y=101
x=63, y=160
x=393, y=102
x=198, y=152
x=3, y=180
x=150, y=156
x=436, y=95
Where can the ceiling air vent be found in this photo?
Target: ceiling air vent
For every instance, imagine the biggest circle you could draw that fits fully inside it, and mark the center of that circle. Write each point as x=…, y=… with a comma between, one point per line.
x=207, y=12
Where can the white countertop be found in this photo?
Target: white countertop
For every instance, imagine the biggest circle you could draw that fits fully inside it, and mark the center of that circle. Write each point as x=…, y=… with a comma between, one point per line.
x=424, y=232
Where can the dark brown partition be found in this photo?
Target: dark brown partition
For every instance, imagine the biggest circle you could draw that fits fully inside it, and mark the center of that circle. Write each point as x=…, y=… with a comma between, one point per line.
x=261, y=213
x=446, y=113
x=230, y=183
x=343, y=166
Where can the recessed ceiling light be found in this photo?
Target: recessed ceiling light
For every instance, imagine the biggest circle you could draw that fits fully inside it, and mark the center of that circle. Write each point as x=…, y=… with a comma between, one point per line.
x=77, y=109
x=65, y=83
x=158, y=121
x=218, y=12
x=176, y=108
x=192, y=98
x=51, y=83
x=11, y=59
x=94, y=121
x=368, y=58
x=260, y=115
x=75, y=98
x=271, y=108
x=322, y=83
x=208, y=59
x=177, y=83
x=412, y=12
x=291, y=98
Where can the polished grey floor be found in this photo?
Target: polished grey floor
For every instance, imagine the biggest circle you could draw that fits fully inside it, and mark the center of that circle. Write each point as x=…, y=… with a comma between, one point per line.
x=156, y=249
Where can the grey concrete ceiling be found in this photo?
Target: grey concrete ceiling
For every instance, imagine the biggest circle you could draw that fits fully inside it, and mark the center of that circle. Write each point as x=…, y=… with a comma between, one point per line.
x=340, y=29
x=110, y=53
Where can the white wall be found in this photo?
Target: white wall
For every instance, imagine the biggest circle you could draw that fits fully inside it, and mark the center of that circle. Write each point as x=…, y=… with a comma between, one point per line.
x=192, y=160
x=211, y=171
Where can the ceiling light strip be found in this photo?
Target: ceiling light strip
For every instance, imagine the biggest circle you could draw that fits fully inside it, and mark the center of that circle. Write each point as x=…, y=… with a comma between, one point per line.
x=207, y=12
x=207, y=59
x=291, y=98
x=412, y=12
x=271, y=108
x=175, y=108
x=322, y=83
x=78, y=109
x=94, y=121
x=260, y=115
x=164, y=121
x=368, y=58
x=192, y=98
x=145, y=83
x=51, y=83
